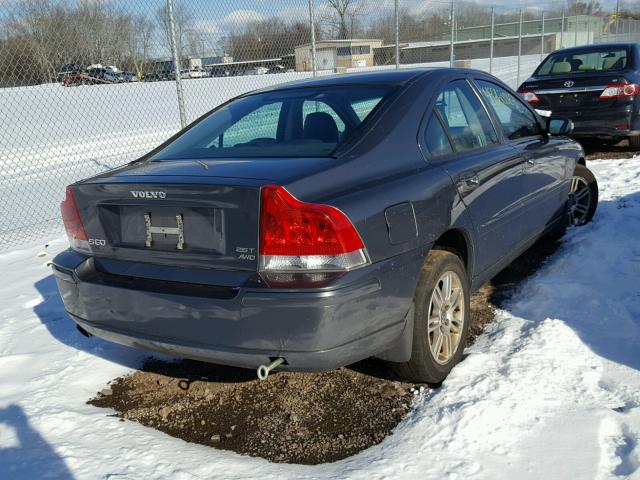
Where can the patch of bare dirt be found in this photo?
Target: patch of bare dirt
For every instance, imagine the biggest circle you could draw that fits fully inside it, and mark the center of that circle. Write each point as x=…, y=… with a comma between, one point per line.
x=290, y=417
x=601, y=150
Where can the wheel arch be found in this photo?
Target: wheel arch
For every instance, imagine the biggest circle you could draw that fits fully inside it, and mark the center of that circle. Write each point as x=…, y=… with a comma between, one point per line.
x=458, y=242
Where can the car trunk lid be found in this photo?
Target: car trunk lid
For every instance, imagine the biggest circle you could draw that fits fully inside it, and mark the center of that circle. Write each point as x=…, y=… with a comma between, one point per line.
x=187, y=213
x=191, y=225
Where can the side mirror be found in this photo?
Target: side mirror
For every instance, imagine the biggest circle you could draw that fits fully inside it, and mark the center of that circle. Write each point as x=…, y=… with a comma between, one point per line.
x=559, y=126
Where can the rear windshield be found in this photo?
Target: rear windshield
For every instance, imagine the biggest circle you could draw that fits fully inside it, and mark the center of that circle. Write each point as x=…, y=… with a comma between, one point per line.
x=601, y=60
x=308, y=122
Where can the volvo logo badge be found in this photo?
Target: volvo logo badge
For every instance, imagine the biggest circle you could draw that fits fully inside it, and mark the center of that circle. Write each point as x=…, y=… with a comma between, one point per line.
x=569, y=83
x=148, y=194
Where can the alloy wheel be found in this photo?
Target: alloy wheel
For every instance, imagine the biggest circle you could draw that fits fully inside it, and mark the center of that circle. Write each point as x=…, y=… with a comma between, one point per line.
x=446, y=317
x=579, y=201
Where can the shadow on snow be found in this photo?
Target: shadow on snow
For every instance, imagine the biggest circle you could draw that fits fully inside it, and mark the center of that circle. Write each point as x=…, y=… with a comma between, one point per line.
x=23, y=451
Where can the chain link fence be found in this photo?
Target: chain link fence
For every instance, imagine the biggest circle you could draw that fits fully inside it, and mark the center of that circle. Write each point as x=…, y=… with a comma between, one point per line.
x=86, y=85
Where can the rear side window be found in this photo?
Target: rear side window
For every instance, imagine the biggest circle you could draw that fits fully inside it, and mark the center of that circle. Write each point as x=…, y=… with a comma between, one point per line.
x=259, y=125
x=516, y=119
x=363, y=107
x=303, y=122
x=600, y=60
x=436, y=139
x=466, y=120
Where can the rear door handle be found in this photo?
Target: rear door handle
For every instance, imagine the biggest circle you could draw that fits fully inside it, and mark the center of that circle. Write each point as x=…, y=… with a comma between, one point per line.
x=529, y=161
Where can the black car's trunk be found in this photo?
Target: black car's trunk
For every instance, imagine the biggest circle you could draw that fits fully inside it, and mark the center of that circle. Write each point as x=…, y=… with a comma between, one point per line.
x=576, y=91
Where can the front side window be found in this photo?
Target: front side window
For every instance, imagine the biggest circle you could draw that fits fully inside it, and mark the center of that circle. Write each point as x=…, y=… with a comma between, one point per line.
x=283, y=123
x=516, y=119
x=599, y=60
x=465, y=118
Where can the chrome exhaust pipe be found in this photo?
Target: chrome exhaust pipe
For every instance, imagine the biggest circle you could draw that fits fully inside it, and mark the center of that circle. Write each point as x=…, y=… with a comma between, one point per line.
x=264, y=370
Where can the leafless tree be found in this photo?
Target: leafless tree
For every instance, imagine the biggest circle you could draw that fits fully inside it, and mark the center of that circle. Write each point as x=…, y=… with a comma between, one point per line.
x=584, y=7
x=184, y=27
x=269, y=38
x=140, y=42
x=41, y=36
x=342, y=17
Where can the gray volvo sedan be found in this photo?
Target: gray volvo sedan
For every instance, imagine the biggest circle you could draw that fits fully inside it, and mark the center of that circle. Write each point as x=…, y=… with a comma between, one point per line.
x=313, y=224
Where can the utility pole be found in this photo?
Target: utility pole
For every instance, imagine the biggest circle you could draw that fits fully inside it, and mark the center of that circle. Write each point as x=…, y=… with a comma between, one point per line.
x=617, y=17
x=397, y=35
x=176, y=64
x=542, y=38
x=493, y=24
x=562, y=30
x=452, y=57
x=312, y=20
x=519, y=47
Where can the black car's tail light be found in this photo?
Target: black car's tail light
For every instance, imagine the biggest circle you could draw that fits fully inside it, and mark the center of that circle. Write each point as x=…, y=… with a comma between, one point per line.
x=529, y=95
x=299, y=237
x=73, y=223
x=620, y=90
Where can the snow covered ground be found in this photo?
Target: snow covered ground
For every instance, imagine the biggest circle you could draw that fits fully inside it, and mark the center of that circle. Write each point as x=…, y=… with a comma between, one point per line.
x=51, y=136
x=550, y=391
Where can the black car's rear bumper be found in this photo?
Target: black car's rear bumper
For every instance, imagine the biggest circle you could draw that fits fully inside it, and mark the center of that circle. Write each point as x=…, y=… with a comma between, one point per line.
x=313, y=330
x=605, y=123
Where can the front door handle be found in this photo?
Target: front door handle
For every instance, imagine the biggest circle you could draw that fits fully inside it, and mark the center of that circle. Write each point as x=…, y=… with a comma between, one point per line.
x=472, y=181
x=468, y=183
x=530, y=161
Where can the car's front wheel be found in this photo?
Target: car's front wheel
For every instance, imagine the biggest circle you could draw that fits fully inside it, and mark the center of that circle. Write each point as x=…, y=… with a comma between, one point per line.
x=441, y=321
x=634, y=143
x=583, y=197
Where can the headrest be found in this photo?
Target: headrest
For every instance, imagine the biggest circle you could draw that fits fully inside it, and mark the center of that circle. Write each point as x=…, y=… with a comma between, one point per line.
x=561, y=67
x=320, y=126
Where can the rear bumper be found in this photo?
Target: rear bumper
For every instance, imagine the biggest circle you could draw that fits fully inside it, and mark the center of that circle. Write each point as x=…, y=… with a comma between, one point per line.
x=609, y=123
x=314, y=330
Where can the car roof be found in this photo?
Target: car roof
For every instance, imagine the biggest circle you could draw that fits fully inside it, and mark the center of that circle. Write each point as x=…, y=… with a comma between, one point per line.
x=380, y=77
x=596, y=47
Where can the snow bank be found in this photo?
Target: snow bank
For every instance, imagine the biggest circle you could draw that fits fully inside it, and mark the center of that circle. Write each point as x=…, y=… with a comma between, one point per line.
x=551, y=390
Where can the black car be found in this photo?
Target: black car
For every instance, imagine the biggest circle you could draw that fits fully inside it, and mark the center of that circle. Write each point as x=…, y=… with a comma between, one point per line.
x=596, y=86
x=96, y=75
x=277, y=69
x=312, y=224
x=155, y=76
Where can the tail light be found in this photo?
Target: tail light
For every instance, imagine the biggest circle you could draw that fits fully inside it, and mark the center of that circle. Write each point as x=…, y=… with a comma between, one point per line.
x=73, y=223
x=306, y=237
x=620, y=91
x=529, y=95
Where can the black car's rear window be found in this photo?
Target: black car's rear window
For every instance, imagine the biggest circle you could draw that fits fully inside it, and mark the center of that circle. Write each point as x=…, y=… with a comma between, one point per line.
x=599, y=60
x=306, y=122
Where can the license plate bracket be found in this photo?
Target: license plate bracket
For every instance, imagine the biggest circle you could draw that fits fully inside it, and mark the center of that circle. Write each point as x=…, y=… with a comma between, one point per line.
x=164, y=230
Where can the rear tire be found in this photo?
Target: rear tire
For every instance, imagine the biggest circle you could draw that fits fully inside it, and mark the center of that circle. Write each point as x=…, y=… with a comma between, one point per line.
x=634, y=143
x=583, y=199
x=447, y=319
